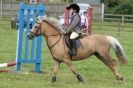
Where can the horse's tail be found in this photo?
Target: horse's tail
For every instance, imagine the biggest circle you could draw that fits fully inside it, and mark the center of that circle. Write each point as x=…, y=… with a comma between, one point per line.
x=118, y=49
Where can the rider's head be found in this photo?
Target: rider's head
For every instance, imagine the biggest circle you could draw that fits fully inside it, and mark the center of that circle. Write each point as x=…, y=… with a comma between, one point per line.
x=75, y=7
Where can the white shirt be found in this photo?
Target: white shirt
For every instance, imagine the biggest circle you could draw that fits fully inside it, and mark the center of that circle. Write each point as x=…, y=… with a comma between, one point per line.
x=84, y=20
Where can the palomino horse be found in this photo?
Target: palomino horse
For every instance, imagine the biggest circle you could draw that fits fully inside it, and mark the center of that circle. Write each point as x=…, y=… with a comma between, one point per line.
x=94, y=44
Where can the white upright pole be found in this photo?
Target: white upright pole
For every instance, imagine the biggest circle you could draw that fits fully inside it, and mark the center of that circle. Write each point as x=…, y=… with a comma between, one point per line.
x=1, y=8
x=102, y=12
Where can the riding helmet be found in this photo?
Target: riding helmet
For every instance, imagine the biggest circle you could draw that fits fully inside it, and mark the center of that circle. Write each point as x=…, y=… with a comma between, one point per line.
x=74, y=7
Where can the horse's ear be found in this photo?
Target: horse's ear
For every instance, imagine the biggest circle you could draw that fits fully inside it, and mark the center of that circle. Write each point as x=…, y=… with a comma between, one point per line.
x=44, y=17
x=39, y=19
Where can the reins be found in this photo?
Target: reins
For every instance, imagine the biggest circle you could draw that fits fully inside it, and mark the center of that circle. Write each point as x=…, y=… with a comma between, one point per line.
x=55, y=42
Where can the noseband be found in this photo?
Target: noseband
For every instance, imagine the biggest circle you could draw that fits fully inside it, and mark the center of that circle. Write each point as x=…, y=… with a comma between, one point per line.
x=36, y=32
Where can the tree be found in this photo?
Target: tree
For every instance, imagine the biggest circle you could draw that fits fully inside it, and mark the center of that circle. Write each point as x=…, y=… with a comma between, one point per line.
x=119, y=6
x=126, y=7
x=112, y=3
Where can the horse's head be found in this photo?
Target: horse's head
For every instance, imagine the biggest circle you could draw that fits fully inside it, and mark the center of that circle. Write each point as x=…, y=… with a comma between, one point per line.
x=36, y=30
x=47, y=26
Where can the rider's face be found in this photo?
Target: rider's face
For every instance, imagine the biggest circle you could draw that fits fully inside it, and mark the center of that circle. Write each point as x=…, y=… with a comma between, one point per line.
x=71, y=12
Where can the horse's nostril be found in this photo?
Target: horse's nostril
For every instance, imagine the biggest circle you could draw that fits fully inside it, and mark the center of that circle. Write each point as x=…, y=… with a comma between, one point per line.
x=31, y=35
x=28, y=36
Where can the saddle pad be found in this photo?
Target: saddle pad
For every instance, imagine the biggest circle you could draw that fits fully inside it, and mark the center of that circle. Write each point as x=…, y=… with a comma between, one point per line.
x=78, y=42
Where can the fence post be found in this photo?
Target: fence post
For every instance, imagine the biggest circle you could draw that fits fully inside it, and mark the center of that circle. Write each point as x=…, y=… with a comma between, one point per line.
x=102, y=12
x=1, y=6
x=123, y=19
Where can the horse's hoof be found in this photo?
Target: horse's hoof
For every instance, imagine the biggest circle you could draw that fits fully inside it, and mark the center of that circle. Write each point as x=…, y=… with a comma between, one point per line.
x=79, y=78
x=121, y=78
x=53, y=79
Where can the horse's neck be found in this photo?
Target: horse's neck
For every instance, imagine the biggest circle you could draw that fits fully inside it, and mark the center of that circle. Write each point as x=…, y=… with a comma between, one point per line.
x=52, y=35
x=52, y=39
x=50, y=30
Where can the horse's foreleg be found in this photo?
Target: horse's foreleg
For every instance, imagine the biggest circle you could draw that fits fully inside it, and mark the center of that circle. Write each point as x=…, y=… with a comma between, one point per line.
x=56, y=68
x=72, y=68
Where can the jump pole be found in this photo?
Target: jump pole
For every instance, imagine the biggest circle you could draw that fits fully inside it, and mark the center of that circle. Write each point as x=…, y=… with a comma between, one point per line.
x=9, y=64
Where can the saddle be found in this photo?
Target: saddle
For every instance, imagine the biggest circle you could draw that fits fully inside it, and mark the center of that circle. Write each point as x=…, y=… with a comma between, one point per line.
x=77, y=45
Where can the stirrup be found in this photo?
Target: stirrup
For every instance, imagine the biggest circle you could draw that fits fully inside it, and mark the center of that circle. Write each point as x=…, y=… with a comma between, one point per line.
x=71, y=52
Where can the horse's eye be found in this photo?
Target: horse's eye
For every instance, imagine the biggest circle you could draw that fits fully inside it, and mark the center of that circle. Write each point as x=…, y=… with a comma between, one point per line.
x=36, y=26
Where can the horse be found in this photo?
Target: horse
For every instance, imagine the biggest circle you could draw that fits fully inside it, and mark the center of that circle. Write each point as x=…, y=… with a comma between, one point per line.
x=94, y=44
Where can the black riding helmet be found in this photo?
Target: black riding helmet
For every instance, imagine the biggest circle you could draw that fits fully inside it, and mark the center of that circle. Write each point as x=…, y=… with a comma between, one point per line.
x=74, y=7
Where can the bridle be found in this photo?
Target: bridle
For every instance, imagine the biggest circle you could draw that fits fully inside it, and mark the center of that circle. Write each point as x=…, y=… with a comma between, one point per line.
x=38, y=29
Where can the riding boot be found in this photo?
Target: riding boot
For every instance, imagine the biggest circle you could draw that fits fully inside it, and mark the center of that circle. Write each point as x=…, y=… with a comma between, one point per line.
x=72, y=47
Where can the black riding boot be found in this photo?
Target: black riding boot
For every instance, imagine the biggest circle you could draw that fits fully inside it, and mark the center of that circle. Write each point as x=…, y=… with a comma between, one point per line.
x=72, y=47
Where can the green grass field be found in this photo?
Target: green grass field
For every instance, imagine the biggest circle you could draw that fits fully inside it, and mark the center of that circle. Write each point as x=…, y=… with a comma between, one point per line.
x=94, y=72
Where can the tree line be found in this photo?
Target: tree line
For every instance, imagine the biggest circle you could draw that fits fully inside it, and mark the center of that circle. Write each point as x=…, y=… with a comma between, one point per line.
x=119, y=7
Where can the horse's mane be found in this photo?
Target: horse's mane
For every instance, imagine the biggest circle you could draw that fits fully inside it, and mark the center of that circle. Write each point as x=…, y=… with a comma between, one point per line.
x=54, y=22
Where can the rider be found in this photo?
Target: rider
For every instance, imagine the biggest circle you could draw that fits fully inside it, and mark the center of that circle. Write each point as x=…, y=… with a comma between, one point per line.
x=74, y=27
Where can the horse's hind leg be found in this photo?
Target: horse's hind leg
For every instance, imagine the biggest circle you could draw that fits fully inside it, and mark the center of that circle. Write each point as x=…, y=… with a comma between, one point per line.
x=56, y=68
x=72, y=68
x=111, y=63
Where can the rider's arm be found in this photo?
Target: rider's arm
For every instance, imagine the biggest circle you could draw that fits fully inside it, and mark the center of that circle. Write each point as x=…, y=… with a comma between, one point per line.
x=73, y=24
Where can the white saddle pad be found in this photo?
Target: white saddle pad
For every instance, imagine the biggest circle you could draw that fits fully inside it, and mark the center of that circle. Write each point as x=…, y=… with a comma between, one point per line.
x=74, y=35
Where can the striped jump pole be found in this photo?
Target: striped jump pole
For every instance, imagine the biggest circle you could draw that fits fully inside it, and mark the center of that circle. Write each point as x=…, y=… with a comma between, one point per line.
x=90, y=9
x=66, y=17
x=9, y=64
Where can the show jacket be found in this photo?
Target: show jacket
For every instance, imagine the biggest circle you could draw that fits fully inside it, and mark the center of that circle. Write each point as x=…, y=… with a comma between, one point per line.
x=75, y=24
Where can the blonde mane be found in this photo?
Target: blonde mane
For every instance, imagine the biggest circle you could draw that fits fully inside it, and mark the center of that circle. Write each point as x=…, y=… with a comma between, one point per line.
x=54, y=22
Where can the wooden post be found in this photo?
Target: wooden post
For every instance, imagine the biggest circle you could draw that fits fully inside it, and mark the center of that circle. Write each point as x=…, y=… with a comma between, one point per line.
x=123, y=18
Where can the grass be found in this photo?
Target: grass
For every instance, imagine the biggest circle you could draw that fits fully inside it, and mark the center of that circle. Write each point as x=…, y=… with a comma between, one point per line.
x=94, y=72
